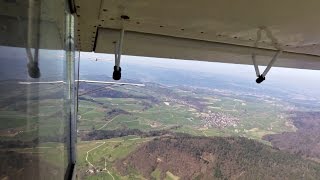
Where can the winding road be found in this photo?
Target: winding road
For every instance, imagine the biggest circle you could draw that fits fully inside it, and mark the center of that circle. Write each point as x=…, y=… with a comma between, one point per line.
x=105, y=168
x=92, y=150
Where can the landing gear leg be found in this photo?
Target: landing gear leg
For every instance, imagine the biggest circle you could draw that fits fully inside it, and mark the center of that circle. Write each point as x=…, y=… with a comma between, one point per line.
x=118, y=50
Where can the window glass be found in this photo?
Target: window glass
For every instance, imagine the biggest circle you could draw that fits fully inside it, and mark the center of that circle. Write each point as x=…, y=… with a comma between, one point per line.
x=36, y=81
x=196, y=120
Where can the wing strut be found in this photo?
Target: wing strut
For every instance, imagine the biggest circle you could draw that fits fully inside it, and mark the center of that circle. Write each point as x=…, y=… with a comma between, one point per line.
x=262, y=77
x=33, y=39
x=117, y=54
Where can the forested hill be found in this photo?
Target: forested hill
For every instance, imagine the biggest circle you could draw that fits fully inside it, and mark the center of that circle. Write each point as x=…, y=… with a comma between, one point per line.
x=215, y=158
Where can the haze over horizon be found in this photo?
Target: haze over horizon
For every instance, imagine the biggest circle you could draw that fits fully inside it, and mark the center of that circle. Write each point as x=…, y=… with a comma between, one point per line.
x=301, y=79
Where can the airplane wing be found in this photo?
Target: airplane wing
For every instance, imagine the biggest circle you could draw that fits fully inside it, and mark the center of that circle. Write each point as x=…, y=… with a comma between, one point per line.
x=207, y=30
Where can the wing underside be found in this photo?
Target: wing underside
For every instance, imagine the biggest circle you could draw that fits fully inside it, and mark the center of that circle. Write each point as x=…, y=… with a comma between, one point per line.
x=208, y=30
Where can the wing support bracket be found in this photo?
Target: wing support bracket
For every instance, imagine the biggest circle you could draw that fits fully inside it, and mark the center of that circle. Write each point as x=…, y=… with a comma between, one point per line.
x=118, y=51
x=262, y=77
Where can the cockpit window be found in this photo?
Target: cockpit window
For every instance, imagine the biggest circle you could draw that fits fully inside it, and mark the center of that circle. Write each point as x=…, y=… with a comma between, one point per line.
x=36, y=90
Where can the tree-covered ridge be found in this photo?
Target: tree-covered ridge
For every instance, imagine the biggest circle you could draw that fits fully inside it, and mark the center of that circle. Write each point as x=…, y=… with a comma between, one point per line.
x=216, y=158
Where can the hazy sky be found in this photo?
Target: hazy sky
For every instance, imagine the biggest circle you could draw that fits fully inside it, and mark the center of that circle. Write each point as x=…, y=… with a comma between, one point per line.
x=305, y=79
x=308, y=79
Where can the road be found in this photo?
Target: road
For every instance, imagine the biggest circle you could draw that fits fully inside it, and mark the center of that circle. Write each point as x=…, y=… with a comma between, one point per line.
x=107, y=123
x=92, y=150
x=105, y=163
x=205, y=133
x=105, y=168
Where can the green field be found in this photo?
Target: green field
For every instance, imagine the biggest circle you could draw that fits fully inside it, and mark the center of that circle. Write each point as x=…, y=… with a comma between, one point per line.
x=256, y=119
x=33, y=129
x=146, y=109
x=101, y=156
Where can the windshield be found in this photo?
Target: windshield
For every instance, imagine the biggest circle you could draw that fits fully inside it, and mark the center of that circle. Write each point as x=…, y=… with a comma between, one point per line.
x=37, y=101
x=196, y=120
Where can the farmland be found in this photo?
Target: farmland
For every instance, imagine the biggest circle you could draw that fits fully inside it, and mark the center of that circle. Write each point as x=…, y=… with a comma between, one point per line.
x=188, y=110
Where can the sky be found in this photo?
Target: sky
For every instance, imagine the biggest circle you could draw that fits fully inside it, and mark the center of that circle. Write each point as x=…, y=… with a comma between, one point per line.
x=307, y=79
